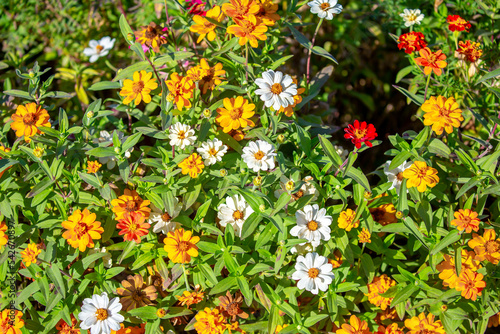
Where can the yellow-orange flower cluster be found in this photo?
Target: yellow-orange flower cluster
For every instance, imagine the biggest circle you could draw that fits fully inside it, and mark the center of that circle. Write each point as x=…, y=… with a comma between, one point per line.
x=189, y=298
x=139, y=88
x=82, y=228
x=486, y=247
x=192, y=165
x=447, y=270
x=470, y=50
x=466, y=220
x=130, y=202
x=378, y=286
x=210, y=322
x=180, y=90
x=235, y=114
x=11, y=326
x=431, y=61
x=204, y=27
x=424, y=325
x=346, y=220
x=29, y=254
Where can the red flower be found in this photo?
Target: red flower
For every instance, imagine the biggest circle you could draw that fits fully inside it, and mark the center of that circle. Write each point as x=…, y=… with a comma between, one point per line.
x=456, y=23
x=133, y=226
x=360, y=133
x=412, y=41
x=470, y=50
x=196, y=7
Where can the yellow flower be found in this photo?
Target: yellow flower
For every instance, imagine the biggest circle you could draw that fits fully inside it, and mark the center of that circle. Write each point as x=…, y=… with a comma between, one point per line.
x=248, y=29
x=192, y=165
x=138, y=89
x=38, y=152
x=236, y=113
x=424, y=325
x=27, y=119
x=442, y=113
x=211, y=76
x=181, y=90
x=267, y=12
x=181, y=245
x=205, y=27
x=355, y=326
x=93, y=166
x=346, y=220
x=210, y=322
x=447, y=270
x=378, y=286
x=385, y=214
x=486, y=247
x=4, y=237
x=421, y=176
x=82, y=228
x=130, y=202
x=279, y=328
x=466, y=220
x=11, y=326
x=239, y=9
x=30, y=254
x=153, y=36
x=337, y=261
x=5, y=150
x=364, y=236
x=189, y=298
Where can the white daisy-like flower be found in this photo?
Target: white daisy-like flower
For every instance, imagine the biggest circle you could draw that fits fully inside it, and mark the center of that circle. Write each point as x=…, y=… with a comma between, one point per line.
x=313, y=224
x=275, y=89
x=99, y=48
x=412, y=16
x=101, y=315
x=235, y=211
x=288, y=185
x=302, y=249
x=181, y=135
x=163, y=219
x=313, y=273
x=106, y=137
x=108, y=263
x=396, y=175
x=212, y=151
x=325, y=8
x=259, y=155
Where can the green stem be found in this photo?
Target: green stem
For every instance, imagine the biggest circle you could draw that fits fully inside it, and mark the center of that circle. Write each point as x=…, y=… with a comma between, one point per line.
x=185, y=277
x=427, y=86
x=246, y=62
x=310, y=50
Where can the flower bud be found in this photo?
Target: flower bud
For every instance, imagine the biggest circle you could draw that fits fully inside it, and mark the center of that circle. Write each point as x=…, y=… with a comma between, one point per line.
x=117, y=150
x=90, y=114
x=262, y=207
x=130, y=37
x=399, y=215
x=223, y=172
x=367, y=194
x=257, y=181
x=38, y=152
x=31, y=74
x=207, y=113
x=280, y=139
x=39, y=274
x=290, y=185
x=161, y=313
x=127, y=154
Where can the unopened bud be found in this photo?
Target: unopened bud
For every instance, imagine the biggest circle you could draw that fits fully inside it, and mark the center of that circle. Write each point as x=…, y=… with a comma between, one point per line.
x=117, y=150
x=280, y=139
x=257, y=181
x=38, y=152
x=207, y=113
x=262, y=207
x=31, y=74
x=223, y=172
x=290, y=185
x=161, y=313
x=90, y=114
x=399, y=215
x=130, y=37
x=367, y=194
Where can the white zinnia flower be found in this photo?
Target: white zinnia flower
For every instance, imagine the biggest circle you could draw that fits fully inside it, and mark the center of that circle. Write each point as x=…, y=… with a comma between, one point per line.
x=396, y=175
x=105, y=136
x=325, y=8
x=313, y=224
x=101, y=315
x=313, y=272
x=212, y=151
x=259, y=155
x=412, y=16
x=234, y=212
x=181, y=135
x=163, y=219
x=288, y=185
x=99, y=48
x=275, y=89
x=108, y=263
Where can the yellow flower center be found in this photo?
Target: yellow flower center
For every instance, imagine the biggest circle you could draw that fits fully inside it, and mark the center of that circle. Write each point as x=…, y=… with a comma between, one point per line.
x=412, y=17
x=99, y=48
x=400, y=176
x=360, y=133
x=133, y=227
x=30, y=119
x=183, y=246
x=312, y=225
x=131, y=206
x=313, y=272
x=276, y=88
x=101, y=314
x=138, y=86
x=290, y=185
x=325, y=5
x=81, y=229
x=259, y=155
x=212, y=152
x=138, y=295
x=236, y=113
x=492, y=246
x=238, y=214
x=181, y=135
x=166, y=217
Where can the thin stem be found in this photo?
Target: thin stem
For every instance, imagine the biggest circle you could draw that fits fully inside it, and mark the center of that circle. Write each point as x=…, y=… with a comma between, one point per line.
x=185, y=277
x=246, y=62
x=166, y=12
x=154, y=69
x=345, y=162
x=310, y=50
x=427, y=86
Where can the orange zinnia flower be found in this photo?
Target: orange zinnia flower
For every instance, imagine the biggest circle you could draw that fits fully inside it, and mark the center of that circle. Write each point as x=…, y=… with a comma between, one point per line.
x=248, y=29
x=192, y=165
x=471, y=284
x=486, y=247
x=93, y=166
x=470, y=50
x=210, y=76
x=378, y=286
x=81, y=229
x=210, y=322
x=130, y=202
x=239, y=9
x=133, y=226
x=364, y=236
x=424, y=325
x=337, y=260
x=180, y=90
x=189, y=298
x=181, y=245
x=64, y=328
x=385, y=214
x=29, y=254
x=421, y=176
x=267, y=12
x=4, y=237
x=494, y=321
x=411, y=41
x=139, y=89
x=152, y=36
x=206, y=28
x=6, y=150
x=466, y=220
x=27, y=119
x=346, y=220
x=11, y=326
x=235, y=114
x=447, y=271
x=355, y=326
x=431, y=61
x=391, y=329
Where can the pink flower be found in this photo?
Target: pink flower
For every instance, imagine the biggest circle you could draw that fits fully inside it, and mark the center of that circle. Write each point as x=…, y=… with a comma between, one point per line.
x=196, y=7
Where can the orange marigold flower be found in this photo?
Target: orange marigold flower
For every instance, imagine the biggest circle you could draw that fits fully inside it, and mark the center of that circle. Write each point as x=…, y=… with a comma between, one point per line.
x=180, y=90
x=364, y=236
x=27, y=119
x=139, y=88
x=133, y=227
x=466, y=220
x=189, y=298
x=235, y=114
x=64, y=328
x=337, y=260
x=206, y=28
x=387, y=314
x=30, y=254
x=355, y=326
x=5, y=150
x=442, y=114
x=210, y=322
x=239, y=9
x=192, y=165
x=471, y=284
x=4, y=237
x=411, y=41
x=421, y=176
x=181, y=245
x=391, y=329
x=135, y=293
x=424, y=325
x=152, y=36
x=384, y=214
x=360, y=133
x=210, y=76
x=346, y=220
x=447, y=271
x=249, y=29
x=130, y=202
x=494, y=321
x=378, y=286
x=82, y=228
x=486, y=247
x=470, y=50
x=279, y=328
x=267, y=12
x=11, y=326
x=431, y=61
x=93, y=166
x=456, y=23
x=130, y=329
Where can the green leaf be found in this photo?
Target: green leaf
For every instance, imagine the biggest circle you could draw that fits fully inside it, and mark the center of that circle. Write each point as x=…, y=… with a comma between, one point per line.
x=281, y=202
x=131, y=141
x=56, y=278
x=145, y=313
x=191, y=196
x=230, y=263
x=436, y=146
x=26, y=293
x=417, y=99
x=314, y=319
x=92, y=258
x=403, y=295
x=57, y=95
x=470, y=184
x=130, y=246
x=466, y=160
x=279, y=62
x=172, y=57
x=224, y=285
x=39, y=187
x=452, y=237
x=399, y=159
x=102, y=85
x=359, y=177
x=125, y=28
x=18, y=93
x=208, y=273
x=129, y=71
x=404, y=72
x=250, y=224
x=101, y=152
x=90, y=179
x=142, y=260
x=323, y=53
x=410, y=224
x=489, y=75
x=245, y=289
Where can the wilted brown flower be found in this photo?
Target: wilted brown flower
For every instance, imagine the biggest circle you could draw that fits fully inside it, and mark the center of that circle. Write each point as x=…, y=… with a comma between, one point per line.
x=135, y=293
x=231, y=306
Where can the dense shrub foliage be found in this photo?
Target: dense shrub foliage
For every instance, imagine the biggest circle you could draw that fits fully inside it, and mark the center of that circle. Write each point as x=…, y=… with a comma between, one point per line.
x=248, y=166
